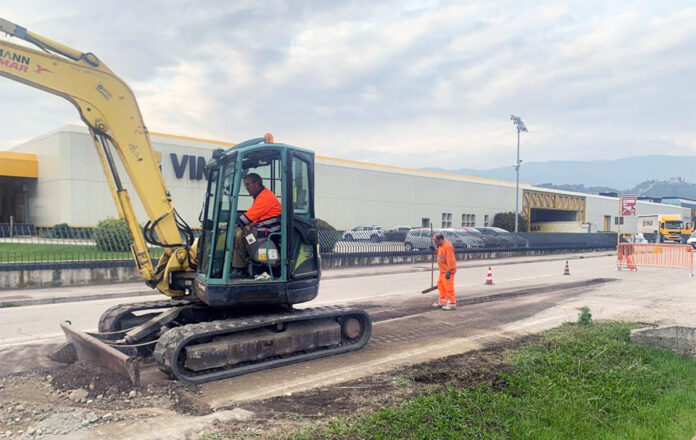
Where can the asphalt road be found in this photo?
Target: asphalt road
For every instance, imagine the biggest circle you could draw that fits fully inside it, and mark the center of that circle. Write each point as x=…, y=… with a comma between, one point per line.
x=40, y=323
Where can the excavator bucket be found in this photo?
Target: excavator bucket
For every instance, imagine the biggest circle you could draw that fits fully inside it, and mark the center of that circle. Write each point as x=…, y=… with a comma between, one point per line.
x=90, y=348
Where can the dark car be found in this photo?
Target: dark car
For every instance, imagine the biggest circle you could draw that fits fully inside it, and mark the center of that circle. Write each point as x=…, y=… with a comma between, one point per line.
x=397, y=233
x=489, y=241
x=508, y=239
x=420, y=239
x=468, y=240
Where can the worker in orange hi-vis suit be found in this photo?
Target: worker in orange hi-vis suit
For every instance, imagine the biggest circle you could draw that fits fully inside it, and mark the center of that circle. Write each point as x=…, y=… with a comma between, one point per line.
x=448, y=267
x=264, y=214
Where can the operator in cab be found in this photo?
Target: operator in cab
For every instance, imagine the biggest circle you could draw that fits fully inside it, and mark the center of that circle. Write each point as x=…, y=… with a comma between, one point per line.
x=261, y=219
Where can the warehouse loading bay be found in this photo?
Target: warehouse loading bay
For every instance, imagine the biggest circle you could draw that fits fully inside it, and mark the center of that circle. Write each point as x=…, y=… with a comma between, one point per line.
x=529, y=294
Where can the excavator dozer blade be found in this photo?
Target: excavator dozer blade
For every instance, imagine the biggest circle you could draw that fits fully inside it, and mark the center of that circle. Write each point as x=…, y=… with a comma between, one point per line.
x=89, y=348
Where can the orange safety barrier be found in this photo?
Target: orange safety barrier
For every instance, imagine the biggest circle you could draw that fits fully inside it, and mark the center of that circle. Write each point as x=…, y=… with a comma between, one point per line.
x=633, y=256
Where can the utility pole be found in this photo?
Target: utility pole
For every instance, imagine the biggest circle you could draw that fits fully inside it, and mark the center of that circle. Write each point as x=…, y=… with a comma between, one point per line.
x=520, y=127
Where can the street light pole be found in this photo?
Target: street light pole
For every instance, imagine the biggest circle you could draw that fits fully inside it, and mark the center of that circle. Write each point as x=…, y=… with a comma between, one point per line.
x=520, y=127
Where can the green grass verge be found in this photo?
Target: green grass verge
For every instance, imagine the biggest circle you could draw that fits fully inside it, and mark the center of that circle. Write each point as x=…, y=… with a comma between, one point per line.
x=32, y=252
x=579, y=382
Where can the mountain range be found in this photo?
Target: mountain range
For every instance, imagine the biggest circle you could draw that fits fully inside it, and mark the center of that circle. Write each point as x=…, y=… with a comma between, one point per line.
x=649, y=174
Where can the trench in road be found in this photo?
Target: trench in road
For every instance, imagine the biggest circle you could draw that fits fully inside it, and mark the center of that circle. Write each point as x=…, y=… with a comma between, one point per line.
x=406, y=333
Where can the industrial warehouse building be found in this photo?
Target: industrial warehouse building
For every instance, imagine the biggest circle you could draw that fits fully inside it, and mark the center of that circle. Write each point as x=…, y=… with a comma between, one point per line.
x=58, y=178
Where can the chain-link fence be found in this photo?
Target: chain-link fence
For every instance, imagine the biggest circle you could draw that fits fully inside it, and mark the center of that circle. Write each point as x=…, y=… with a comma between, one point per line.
x=61, y=243
x=369, y=240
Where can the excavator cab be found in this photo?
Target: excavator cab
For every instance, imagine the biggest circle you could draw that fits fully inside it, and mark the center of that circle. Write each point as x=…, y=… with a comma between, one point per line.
x=284, y=266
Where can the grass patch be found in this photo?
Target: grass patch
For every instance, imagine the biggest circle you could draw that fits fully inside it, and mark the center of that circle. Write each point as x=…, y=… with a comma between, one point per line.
x=579, y=381
x=33, y=252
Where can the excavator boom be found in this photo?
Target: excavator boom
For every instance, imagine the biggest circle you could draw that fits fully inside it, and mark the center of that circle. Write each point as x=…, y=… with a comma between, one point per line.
x=108, y=107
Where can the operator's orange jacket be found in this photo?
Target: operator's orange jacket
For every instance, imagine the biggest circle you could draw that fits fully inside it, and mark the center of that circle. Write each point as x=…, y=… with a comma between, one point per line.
x=264, y=212
x=445, y=258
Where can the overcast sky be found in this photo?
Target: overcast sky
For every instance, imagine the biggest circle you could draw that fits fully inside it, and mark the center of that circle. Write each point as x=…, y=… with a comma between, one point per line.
x=413, y=83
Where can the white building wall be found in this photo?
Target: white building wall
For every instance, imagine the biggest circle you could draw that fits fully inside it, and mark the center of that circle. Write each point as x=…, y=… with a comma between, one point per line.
x=48, y=197
x=349, y=194
x=72, y=189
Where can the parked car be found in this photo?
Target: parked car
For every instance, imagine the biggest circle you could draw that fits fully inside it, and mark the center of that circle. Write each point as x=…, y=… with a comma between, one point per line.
x=459, y=240
x=418, y=239
x=640, y=239
x=489, y=241
x=692, y=240
x=508, y=239
x=468, y=239
x=397, y=233
x=372, y=233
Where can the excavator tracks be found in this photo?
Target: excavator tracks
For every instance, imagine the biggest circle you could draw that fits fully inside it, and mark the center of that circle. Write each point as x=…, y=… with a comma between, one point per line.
x=112, y=319
x=215, y=350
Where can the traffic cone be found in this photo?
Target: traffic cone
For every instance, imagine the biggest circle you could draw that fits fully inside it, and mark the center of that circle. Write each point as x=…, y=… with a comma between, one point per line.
x=567, y=269
x=489, y=277
x=631, y=265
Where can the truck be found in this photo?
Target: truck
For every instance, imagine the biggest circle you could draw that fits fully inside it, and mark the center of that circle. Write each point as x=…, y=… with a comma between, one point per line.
x=212, y=324
x=661, y=228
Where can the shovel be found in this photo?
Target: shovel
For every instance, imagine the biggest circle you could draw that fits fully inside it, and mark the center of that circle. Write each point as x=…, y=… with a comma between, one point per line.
x=432, y=273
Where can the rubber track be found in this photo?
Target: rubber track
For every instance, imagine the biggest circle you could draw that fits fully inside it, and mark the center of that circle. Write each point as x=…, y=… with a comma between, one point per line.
x=175, y=340
x=117, y=312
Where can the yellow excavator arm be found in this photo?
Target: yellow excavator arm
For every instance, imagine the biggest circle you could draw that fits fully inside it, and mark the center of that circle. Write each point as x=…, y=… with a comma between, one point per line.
x=109, y=108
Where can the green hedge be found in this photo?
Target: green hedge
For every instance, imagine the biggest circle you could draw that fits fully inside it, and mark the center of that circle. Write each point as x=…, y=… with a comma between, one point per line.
x=328, y=235
x=112, y=235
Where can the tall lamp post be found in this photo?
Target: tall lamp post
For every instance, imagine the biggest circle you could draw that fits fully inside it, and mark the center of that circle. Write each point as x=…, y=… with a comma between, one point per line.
x=520, y=127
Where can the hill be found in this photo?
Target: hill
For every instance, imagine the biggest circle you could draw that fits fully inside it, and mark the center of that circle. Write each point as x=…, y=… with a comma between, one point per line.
x=620, y=173
x=674, y=187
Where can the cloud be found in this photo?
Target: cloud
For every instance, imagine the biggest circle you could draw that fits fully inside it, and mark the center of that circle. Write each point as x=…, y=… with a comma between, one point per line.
x=413, y=83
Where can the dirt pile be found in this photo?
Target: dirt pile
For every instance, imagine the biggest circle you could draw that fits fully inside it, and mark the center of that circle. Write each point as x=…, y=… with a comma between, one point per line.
x=92, y=378
x=78, y=396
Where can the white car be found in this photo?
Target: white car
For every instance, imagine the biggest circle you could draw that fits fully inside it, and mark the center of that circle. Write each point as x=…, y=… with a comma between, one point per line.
x=372, y=233
x=692, y=240
x=640, y=239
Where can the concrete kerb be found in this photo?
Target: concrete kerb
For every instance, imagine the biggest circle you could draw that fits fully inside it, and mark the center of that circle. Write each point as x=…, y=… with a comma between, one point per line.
x=66, y=299
x=679, y=339
x=25, y=297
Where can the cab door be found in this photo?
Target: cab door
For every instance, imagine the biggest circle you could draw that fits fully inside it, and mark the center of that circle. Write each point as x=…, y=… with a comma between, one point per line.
x=303, y=255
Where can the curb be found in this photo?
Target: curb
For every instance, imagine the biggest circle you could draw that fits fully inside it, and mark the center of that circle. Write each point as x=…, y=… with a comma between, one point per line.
x=67, y=299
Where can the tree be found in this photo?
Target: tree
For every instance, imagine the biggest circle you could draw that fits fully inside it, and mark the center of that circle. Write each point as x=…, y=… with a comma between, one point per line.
x=506, y=220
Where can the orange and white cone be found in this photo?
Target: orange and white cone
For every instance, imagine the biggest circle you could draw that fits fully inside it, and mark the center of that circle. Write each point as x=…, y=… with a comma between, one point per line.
x=631, y=265
x=567, y=269
x=489, y=277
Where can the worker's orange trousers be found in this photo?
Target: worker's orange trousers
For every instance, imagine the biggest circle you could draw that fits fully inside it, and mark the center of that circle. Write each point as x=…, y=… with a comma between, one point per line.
x=446, y=289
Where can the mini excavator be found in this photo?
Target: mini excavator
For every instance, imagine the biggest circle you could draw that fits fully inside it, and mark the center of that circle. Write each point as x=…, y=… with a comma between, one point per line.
x=212, y=325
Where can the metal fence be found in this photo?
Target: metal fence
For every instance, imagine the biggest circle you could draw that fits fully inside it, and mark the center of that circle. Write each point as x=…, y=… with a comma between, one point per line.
x=336, y=244
x=25, y=244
